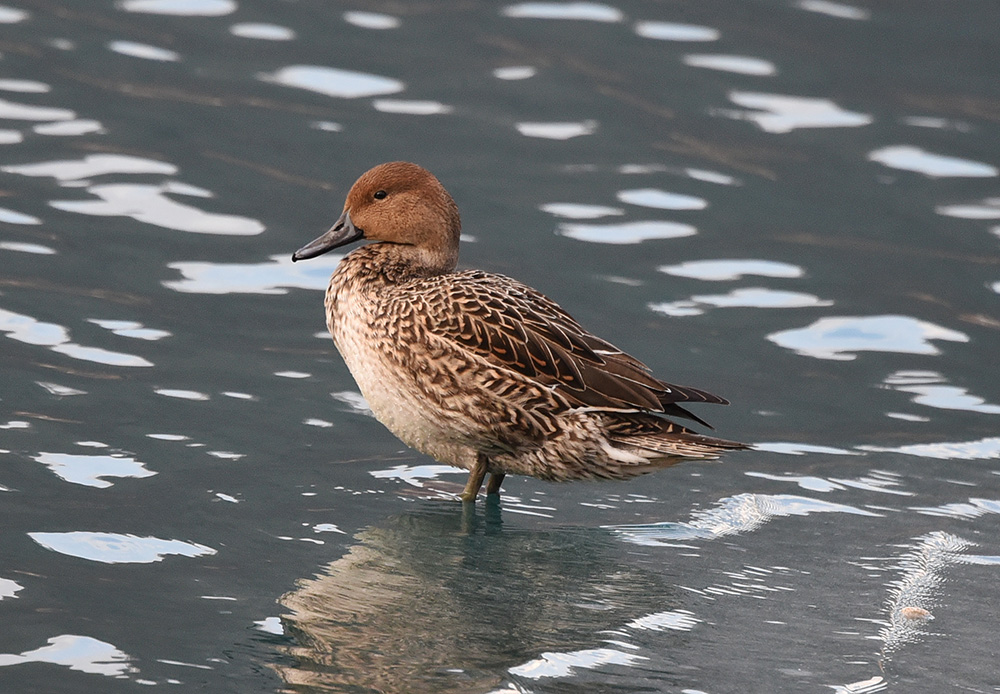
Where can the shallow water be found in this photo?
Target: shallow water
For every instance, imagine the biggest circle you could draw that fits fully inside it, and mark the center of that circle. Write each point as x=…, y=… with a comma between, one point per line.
x=794, y=205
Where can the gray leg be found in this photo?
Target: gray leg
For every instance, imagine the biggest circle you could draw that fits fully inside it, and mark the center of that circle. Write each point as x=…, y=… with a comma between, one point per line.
x=476, y=477
x=496, y=479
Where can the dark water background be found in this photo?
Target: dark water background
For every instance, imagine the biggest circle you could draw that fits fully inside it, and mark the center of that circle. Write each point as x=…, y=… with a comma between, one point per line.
x=793, y=204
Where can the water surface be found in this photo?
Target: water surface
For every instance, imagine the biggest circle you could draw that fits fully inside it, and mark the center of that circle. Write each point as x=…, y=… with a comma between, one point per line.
x=793, y=204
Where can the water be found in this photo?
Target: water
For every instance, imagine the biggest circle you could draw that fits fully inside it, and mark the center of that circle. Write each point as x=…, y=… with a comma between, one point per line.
x=794, y=205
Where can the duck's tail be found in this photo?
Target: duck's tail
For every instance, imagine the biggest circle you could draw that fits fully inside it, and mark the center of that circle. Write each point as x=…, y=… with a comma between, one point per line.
x=660, y=441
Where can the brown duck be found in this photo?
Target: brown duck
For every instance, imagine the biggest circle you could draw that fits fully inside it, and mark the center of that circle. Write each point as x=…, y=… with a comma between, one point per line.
x=478, y=370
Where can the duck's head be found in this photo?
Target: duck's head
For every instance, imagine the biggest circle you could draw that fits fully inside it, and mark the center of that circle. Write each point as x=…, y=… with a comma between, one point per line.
x=402, y=204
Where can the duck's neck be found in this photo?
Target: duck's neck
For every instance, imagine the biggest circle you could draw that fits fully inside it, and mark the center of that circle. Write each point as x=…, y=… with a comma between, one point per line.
x=393, y=263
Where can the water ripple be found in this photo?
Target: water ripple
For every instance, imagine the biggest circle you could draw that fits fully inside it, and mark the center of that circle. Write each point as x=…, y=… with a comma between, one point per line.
x=779, y=113
x=264, y=32
x=187, y=8
x=738, y=64
x=274, y=277
x=737, y=514
x=330, y=81
x=982, y=449
x=34, y=332
x=747, y=297
x=627, y=232
x=80, y=653
x=589, y=11
x=116, y=548
x=930, y=388
x=842, y=337
x=89, y=470
x=671, y=31
x=564, y=664
x=372, y=20
x=144, y=51
x=909, y=158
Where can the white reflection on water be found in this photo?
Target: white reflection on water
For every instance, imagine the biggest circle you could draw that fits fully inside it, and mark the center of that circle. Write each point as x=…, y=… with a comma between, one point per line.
x=116, y=548
x=731, y=269
x=356, y=401
x=573, y=210
x=270, y=625
x=26, y=248
x=876, y=481
x=921, y=575
x=93, y=165
x=931, y=389
x=9, y=588
x=327, y=126
x=661, y=199
x=34, y=332
x=834, y=9
x=749, y=297
x=740, y=64
x=963, y=511
x=670, y=31
x=557, y=131
x=265, y=32
x=909, y=158
x=868, y=686
x=127, y=328
x=10, y=110
x=144, y=51
x=372, y=20
x=736, y=514
x=181, y=394
x=274, y=277
x=712, y=177
x=415, y=108
x=24, y=86
x=987, y=209
x=982, y=449
x=841, y=337
x=190, y=8
x=515, y=72
x=70, y=128
x=778, y=113
x=626, y=232
x=11, y=15
x=331, y=81
x=674, y=620
x=80, y=653
x=564, y=664
x=89, y=470
x=591, y=11
x=415, y=475
x=12, y=217
x=150, y=204
x=788, y=448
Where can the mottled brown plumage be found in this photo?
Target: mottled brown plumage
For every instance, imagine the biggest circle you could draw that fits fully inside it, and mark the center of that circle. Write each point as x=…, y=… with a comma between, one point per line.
x=478, y=370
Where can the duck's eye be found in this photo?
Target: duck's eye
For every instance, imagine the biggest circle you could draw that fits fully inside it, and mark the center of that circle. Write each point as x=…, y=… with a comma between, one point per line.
x=380, y=195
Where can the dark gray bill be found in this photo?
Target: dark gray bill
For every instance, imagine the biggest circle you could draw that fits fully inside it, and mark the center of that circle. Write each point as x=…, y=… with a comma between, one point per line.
x=340, y=234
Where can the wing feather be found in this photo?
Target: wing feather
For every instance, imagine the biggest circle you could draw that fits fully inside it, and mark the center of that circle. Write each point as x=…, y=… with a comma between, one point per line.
x=512, y=326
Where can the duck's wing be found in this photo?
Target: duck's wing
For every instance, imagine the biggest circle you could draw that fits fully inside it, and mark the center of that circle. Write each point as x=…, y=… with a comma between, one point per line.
x=513, y=326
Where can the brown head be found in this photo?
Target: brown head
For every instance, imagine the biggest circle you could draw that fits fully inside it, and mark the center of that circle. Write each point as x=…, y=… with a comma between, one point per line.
x=401, y=204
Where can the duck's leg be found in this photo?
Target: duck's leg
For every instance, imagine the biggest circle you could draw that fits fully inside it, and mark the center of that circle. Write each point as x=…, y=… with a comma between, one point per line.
x=476, y=476
x=496, y=479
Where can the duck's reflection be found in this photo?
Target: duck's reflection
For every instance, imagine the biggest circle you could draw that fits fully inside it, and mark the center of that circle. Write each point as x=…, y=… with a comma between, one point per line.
x=447, y=600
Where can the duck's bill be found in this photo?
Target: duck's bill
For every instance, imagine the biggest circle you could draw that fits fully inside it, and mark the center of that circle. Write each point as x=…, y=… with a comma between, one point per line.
x=341, y=233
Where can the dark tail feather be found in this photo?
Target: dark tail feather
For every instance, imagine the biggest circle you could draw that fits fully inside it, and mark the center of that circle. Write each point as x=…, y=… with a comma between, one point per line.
x=657, y=435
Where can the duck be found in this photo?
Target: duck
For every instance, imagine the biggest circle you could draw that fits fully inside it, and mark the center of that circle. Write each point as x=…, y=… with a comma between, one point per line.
x=478, y=370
